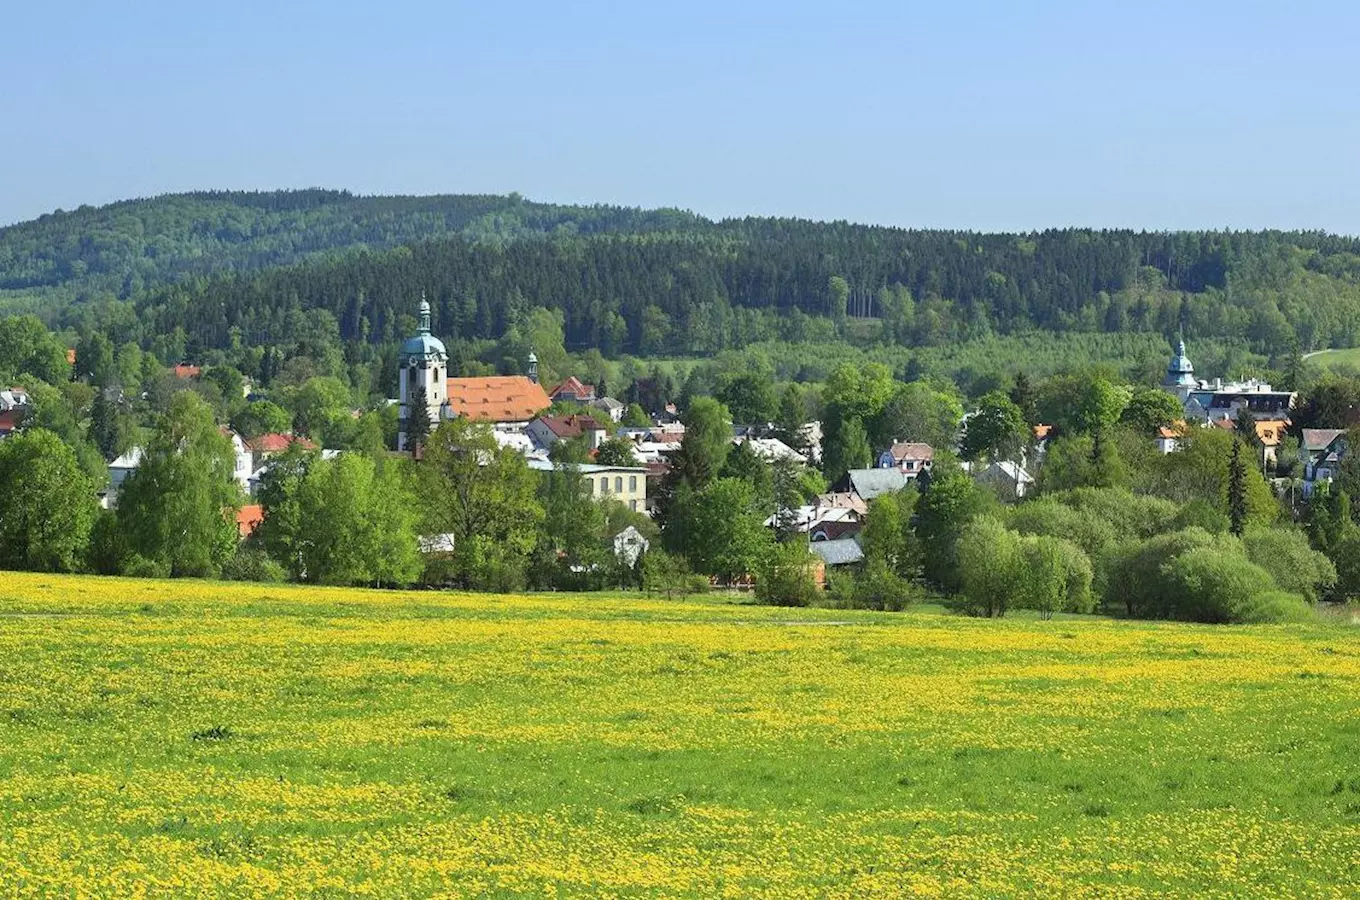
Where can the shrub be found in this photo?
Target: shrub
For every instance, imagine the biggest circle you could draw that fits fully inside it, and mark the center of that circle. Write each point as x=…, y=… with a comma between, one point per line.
x=1296, y=567
x=138, y=566
x=253, y=564
x=989, y=567
x=879, y=587
x=785, y=576
x=1209, y=585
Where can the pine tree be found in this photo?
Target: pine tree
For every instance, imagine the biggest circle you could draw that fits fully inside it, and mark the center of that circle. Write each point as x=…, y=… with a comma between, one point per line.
x=417, y=419
x=1237, y=491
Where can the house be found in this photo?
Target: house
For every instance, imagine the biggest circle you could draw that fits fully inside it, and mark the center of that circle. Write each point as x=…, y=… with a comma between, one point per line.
x=1209, y=401
x=871, y=483
x=820, y=523
x=841, y=552
x=548, y=430
x=627, y=484
x=610, y=407
x=1009, y=479
x=265, y=446
x=629, y=545
x=11, y=419
x=248, y=518
x=911, y=458
x=1168, y=439
x=13, y=398
x=1321, y=450
x=187, y=372
x=845, y=500
x=119, y=470
x=572, y=390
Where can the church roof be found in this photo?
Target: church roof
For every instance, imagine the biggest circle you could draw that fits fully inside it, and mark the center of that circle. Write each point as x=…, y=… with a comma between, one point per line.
x=497, y=398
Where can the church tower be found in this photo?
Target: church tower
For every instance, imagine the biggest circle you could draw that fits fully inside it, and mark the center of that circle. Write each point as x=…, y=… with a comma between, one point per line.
x=423, y=364
x=1180, y=375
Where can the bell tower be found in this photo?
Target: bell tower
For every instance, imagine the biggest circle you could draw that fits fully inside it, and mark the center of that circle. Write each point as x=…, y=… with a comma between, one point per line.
x=423, y=363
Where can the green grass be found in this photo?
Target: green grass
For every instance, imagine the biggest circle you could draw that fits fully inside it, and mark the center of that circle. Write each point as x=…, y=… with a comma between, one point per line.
x=221, y=740
x=1330, y=358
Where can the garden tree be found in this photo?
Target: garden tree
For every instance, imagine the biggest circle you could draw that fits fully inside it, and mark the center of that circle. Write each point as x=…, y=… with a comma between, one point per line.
x=996, y=431
x=281, y=534
x=636, y=417
x=707, y=441
x=484, y=496
x=724, y=530
x=851, y=394
x=28, y=348
x=1132, y=515
x=1136, y=581
x=879, y=587
x=1333, y=401
x=1292, y=563
x=847, y=448
x=749, y=397
x=571, y=548
x=230, y=384
x=945, y=508
x=791, y=416
x=1216, y=587
x=112, y=426
x=1150, y=409
x=918, y=411
x=887, y=537
x=1022, y=394
x=989, y=566
x=261, y=417
x=1347, y=476
x=318, y=404
x=1054, y=576
x=745, y=464
x=1237, y=491
x=1199, y=470
x=60, y=410
x=1081, y=403
x=48, y=505
x=417, y=423
x=357, y=523
x=94, y=360
x=785, y=576
x=616, y=451
x=177, y=509
x=1082, y=460
x=1330, y=521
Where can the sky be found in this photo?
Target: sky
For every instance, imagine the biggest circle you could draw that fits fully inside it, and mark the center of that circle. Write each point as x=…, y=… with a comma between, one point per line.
x=976, y=115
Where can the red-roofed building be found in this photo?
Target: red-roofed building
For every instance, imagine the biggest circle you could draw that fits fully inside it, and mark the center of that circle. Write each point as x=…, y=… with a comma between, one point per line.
x=186, y=371
x=248, y=518
x=10, y=419
x=274, y=443
x=574, y=390
x=548, y=430
x=498, y=399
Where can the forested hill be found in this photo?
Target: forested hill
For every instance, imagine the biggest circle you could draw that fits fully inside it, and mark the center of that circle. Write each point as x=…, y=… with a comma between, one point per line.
x=127, y=247
x=222, y=268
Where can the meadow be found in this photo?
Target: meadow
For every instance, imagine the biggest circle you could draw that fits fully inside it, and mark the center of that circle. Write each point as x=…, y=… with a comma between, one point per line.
x=1349, y=357
x=182, y=739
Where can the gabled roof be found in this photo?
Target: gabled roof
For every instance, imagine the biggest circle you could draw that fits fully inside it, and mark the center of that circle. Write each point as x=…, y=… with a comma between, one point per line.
x=497, y=398
x=574, y=387
x=187, y=371
x=840, y=552
x=568, y=427
x=1010, y=470
x=912, y=450
x=248, y=518
x=871, y=483
x=1316, y=439
x=607, y=403
x=275, y=442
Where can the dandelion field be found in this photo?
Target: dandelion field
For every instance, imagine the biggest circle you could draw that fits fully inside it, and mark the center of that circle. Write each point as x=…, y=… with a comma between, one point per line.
x=184, y=739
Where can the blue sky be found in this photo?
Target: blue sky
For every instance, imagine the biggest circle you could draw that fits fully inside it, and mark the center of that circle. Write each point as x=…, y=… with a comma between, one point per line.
x=969, y=115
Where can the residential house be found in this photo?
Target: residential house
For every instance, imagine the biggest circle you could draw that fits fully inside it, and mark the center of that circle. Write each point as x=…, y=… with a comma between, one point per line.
x=610, y=407
x=870, y=483
x=771, y=449
x=1321, y=450
x=627, y=484
x=187, y=372
x=11, y=419
x=840, y=552
x=272, y=444
x=548, y=430
x=911, y=458
x=572, y=390
x=13, y=398
x=821, y=523
x=629, y=545
x=1168, y=439
x=119, y=470
x=1008, y=478
x=1208, y=401
x=248, y=518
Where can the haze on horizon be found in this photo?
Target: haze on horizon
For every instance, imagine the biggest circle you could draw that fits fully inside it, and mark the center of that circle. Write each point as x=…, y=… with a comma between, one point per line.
x=1165, y=115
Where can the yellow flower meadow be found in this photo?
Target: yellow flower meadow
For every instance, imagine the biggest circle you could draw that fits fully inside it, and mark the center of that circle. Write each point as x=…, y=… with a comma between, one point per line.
x=184, y=739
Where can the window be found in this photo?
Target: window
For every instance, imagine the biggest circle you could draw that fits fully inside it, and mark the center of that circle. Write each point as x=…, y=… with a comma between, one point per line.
x=632, y=482
x=618, y=484
x=604, y=485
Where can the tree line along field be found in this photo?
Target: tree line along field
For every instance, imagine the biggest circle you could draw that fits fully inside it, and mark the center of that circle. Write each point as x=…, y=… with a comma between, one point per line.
x=186, y=739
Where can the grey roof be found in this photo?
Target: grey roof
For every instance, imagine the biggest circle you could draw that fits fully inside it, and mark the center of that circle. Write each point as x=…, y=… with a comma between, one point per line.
x=1320, y=438
x=871, y=483
x=840, y=552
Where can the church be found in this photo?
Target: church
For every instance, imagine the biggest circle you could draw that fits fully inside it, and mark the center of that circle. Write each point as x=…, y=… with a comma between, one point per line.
x=507, y=402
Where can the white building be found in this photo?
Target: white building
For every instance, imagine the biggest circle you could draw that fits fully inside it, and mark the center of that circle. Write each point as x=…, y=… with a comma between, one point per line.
x=424, y=364
x=1216, y=400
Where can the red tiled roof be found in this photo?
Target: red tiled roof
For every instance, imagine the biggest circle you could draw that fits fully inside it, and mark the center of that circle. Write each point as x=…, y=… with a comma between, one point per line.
x=909, y=450
x=574, y=387
x=187, y=371
x=248, y=519
x=277, y=443
x=498, y=398
x=568, y=427
x=10, y=419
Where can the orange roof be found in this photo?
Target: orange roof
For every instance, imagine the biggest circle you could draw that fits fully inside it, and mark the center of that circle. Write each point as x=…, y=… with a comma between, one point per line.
x=187, y=371
x=248, y=519
x=70, y=356
x=498, y=398
x=1041, y=432
x=277, y=443
x=1269, y=431
x=573, y=387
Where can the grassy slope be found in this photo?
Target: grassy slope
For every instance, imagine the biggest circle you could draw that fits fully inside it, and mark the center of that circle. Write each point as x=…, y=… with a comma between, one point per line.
x=225, y=740
x=1328, y=358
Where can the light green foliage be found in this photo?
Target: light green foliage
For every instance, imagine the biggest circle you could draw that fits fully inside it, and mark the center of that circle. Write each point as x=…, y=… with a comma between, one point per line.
x=47, y=505
x=724, y=531
x=571, y=542
x=750, y=397
x=1054, y=576
x=881, y=588
x=921, y=412
x=1297, y=568
x=785, y=577
x=355, y=523
x=1150, y=409
x=1198, y=470
x=177, y=509
x=942, y=513
x=707, y=441
x=27, y=347
x=1210, y=585
x=1082, y=402
x=484, y=496
x=990, y=567
x=261, y=417
x=616, y=452
x=847, y=447
x=319, y=404
x=887, y=537
x=996, y=431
